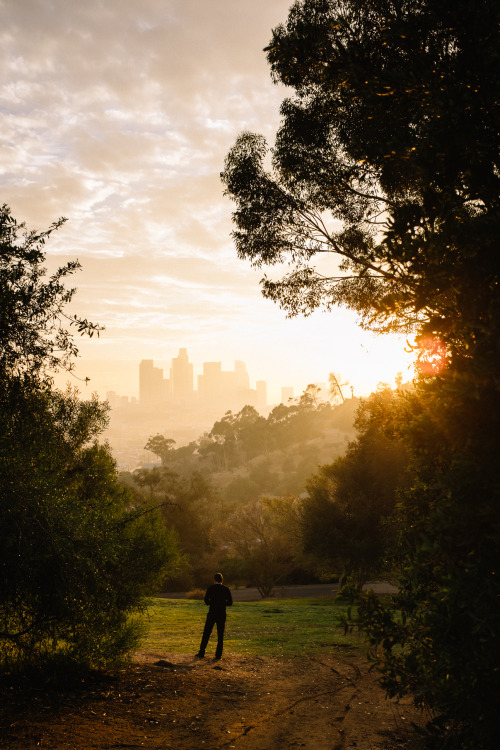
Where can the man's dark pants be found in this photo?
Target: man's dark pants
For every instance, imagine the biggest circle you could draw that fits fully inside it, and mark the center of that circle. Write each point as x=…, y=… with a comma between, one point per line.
x=213, y=618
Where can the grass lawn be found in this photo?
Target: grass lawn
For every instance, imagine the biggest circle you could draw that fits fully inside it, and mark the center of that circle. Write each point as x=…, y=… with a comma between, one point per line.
x=272, y=627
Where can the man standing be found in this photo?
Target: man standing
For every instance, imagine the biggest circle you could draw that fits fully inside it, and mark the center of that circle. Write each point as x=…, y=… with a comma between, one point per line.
x=217, y=597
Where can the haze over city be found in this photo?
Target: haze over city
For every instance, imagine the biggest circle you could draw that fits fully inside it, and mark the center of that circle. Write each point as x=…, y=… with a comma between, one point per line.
x=119, y=118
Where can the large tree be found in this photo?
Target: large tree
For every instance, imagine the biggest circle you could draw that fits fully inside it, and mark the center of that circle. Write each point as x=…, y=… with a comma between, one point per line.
x=382, y=193
x=386, y=161
x=161, y=447
x=255, y=542
x=77, y=558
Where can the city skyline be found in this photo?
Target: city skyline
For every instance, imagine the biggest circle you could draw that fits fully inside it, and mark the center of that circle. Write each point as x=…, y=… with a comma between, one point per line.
x=228, y=389
x=122, y=377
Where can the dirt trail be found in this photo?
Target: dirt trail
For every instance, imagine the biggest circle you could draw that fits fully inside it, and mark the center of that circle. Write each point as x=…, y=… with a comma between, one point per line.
x=171, y=701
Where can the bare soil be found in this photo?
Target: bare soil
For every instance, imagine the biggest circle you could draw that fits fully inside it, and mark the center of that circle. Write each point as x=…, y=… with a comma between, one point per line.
x=160, y=701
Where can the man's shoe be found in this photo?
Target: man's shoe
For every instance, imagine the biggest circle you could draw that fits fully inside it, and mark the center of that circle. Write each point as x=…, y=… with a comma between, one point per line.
x=217, y=658
x=199, y=656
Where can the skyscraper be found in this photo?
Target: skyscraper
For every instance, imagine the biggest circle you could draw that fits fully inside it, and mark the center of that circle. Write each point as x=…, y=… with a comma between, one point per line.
x=181, y=376
x=241, y=379
x=217, y=388
x=210, y=382
x=261, y=388
x=153, y=388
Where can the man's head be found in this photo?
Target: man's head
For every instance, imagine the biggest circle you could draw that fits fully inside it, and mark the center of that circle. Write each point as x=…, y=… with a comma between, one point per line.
x=218, y=578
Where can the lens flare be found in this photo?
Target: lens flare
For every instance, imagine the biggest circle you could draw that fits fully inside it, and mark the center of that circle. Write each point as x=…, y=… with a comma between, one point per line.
x=432, y=356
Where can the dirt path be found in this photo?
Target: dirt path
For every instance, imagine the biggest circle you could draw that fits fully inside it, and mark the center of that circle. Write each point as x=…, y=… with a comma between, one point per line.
x=171, y=701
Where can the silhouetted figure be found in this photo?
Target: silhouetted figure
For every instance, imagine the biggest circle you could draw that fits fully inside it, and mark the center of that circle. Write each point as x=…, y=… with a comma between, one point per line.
x=217, y=597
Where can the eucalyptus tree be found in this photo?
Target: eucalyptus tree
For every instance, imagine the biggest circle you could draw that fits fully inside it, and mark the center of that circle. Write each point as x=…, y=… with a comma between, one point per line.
x=385, y=162
x=381, y=193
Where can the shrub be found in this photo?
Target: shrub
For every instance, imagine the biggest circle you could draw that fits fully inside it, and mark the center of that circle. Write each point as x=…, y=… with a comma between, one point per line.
x=196, y=594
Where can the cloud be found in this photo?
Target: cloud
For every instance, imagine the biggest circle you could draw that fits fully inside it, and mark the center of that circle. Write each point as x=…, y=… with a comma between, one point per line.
x=143, y=96
x=118, y=115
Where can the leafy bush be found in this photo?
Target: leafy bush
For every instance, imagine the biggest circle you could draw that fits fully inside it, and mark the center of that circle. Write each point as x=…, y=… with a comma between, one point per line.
x=76, y=558
x=196, y=594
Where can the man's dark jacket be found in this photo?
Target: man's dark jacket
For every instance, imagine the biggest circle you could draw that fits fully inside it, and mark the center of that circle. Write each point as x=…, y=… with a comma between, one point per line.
x=218, y=597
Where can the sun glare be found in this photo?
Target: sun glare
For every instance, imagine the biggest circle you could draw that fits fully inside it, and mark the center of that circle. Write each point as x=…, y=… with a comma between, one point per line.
x=432, y=355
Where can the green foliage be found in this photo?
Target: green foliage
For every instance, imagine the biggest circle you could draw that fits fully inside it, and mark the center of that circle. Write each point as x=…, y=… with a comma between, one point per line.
x=346, y=517
x=449, y=594
x=161, y=447
x=438, y=638
x=239, y=439
x=34, y=335
x=386, y=160
x=244, y=458
x=241, y=491
x=187, y=505
x=236, y=439
x=76, y=559
x=392, y=131
x=259, y=542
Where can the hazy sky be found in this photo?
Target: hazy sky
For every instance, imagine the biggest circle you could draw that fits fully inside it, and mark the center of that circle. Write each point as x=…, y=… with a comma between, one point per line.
x=118, y=114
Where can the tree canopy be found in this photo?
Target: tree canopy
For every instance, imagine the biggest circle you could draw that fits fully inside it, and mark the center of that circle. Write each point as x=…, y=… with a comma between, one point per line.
x=257, y=542
x=386, y=160
x=35, y=338
x=382, y=193
x=348, y=513
x=77, y=559
x=161, y=447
